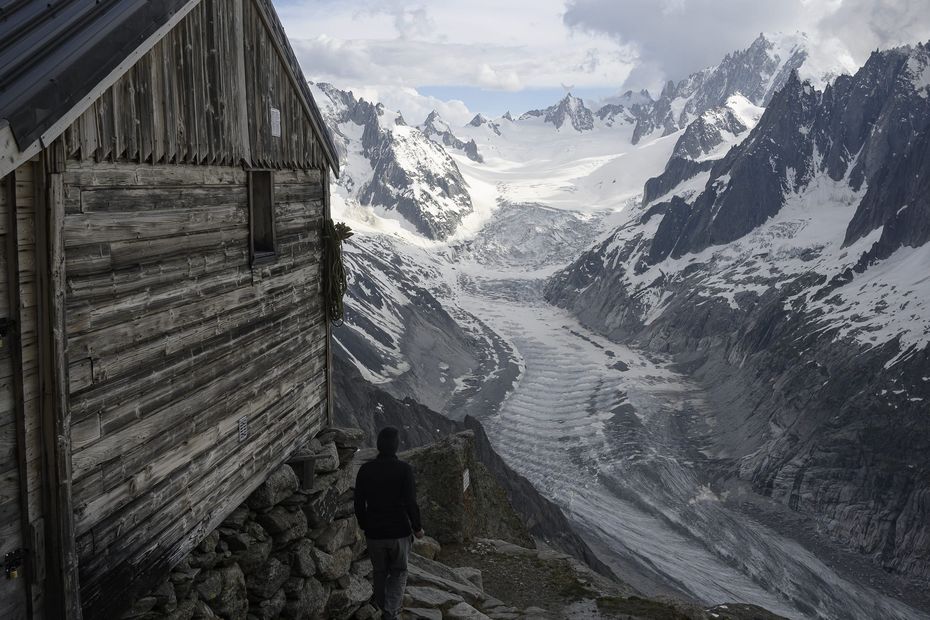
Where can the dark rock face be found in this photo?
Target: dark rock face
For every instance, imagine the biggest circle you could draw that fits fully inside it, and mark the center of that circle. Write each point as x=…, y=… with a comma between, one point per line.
x=830, y=423
x=459, y=498
x=705, y=133
x=411, y=174
x=397, y=329
x=480, y=120
x=855, y=129
x=757, y=73
x=677, y=171
x=419, y=180
x=629, y=108
x=437, y=129
x=570, y=110
x=755, y=173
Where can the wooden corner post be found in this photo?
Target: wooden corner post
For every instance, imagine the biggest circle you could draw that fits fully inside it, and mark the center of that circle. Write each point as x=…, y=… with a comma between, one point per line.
x=61, y=557
x=329, y=323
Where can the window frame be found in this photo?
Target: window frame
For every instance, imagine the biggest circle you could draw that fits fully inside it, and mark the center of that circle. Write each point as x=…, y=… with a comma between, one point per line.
x=256, y=256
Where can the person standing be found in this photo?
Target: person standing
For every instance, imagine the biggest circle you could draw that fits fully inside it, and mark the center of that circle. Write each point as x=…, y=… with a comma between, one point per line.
x=386, y=509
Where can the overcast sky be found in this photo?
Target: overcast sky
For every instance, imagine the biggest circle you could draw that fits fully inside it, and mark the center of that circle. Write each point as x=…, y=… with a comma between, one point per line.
x=494, y=55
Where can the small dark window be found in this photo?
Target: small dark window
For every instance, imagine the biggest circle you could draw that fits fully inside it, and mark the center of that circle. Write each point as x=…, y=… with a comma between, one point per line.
x=261, y=213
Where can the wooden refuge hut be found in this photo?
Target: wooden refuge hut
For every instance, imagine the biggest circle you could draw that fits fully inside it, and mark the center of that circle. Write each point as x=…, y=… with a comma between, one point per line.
x=164, y=342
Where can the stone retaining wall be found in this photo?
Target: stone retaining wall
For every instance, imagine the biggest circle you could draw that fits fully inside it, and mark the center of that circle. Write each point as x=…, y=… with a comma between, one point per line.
x=293, y=550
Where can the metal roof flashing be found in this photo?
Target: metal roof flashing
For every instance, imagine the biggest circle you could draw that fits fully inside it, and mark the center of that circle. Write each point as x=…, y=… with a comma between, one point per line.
x=37, y=37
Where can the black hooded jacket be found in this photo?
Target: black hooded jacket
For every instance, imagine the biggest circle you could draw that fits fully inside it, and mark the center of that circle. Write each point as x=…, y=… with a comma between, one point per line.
x=386, y=496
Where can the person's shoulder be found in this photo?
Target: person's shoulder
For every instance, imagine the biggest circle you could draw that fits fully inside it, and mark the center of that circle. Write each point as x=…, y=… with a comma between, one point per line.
x=365, y=468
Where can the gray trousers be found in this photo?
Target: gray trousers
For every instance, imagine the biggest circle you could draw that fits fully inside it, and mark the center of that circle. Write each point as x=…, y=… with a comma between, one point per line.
x=389, y=561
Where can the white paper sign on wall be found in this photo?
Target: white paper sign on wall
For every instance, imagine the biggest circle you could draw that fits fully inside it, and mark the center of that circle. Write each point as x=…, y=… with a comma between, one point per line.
x=466, y=480
x=275, y=122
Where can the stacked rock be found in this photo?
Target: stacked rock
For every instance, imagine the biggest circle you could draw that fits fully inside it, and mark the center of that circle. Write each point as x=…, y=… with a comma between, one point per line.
x=293, y=550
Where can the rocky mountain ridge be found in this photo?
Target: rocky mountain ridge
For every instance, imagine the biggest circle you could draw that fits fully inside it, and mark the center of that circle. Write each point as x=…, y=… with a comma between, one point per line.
x=757, y=73
x=570, y=110
x=393, y=166
x=789, y=284
x=437, y=129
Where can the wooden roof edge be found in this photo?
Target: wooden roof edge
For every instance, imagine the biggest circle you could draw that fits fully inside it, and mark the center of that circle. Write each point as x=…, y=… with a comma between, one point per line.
x=298, y=81
x=12, y=156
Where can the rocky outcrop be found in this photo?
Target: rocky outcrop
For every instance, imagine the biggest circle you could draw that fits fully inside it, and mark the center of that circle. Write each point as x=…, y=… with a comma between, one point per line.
x=459, y=497
x=677, y=171
x=626, y=109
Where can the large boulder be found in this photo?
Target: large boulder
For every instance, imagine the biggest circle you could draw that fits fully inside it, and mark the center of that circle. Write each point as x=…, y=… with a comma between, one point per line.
x=251, y=548
x=345, y=600
x=306, y=598
x=326, y=458
x=458, y=497
x=263, y=583
x=280, y=484
x=343, y=437
x=284, y=525
x=335, y=565
x=464, y=611
x=271, y=608
x=339, y=533
x=427, y=546
x=425, y=596
x=230, y=600
x=301, y=558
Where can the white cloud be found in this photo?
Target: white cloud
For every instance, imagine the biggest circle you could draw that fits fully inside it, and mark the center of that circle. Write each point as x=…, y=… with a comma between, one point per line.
x=498, y=80
x=481, y=43
x=673, y=38
x=865, y=25
x=414, y=106
x=541, y=44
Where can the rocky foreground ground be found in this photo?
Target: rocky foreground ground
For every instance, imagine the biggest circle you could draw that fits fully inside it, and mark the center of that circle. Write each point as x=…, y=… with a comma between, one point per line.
x=293, y=550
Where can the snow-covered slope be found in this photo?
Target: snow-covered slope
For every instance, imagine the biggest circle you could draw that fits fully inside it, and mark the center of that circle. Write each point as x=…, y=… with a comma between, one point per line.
x=794, y=283
x=395, y=168
x=705, y=140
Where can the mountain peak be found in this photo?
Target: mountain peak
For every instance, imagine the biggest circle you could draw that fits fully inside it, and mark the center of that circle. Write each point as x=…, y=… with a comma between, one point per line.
x=481, y=119
x=571, y=109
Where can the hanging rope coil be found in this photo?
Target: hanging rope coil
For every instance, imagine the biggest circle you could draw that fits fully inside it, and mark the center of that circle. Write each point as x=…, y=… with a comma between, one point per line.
x=335, y=282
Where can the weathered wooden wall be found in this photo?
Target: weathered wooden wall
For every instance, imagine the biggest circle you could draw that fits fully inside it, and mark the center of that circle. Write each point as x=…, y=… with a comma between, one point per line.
x=188, y=99
x=13, y=593
x=172, y=339
x=20, y=440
